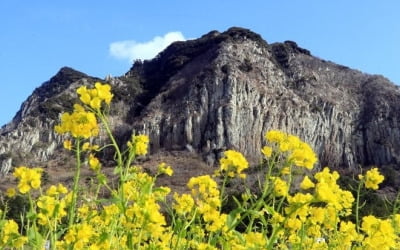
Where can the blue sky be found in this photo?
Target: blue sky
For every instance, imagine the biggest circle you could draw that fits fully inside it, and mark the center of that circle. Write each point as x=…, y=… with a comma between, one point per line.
x=103, y=37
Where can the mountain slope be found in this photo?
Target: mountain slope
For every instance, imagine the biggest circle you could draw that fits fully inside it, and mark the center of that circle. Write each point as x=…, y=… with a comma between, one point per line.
x=223, y=91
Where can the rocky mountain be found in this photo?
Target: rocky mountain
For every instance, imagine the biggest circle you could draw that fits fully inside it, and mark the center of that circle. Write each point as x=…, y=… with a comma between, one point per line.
x=224, y=91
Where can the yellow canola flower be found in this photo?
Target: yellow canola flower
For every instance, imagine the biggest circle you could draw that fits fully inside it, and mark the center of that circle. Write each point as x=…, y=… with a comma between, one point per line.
x=183, y=203
x=255, y=240
x=139, y=143
x=275, y=136
x=80, y=235
x=293, y=224
x=84, y=95
x=163, y=168
x=9, y=233
x=327, y=190
x=10, y=192
x=372, y=178
x=285, y=171
x=86, y=146
x=61, y=189
x=104, y=92
x=216, y=220
x=202, y=246
x=300, y=198
x=326, y=176
x=203, y=187
x=79, y=123
x=298, y=152
x=56, y=190
x=306, y=183
x=28, y=178
x=52, y=191
x=67, y=144
x=317, y=214
x=380, y=233
x=348, y=234
x=395, y=220
x=303, y=156
x=147, y=217
x=94, y=163
x=206, y=196
x=10, y=227
x=95, y=96
x=20, y=242
x=267, y=151
x=233, y=163
x=281, y=188
x=51, y=210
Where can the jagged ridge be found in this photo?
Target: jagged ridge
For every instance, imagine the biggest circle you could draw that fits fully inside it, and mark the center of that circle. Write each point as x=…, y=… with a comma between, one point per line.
x=225, y=90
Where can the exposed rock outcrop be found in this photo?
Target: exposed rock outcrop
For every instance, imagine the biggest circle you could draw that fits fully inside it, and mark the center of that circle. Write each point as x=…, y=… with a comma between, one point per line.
x=223, y=91
x=229, y=95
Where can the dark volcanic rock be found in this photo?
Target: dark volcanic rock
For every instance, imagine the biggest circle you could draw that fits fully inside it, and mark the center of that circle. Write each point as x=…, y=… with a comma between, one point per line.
x=225, y=91
x=235, y=90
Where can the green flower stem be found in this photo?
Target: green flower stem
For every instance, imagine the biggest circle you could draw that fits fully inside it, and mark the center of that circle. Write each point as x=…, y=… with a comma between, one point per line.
x=119, y=159
x=274, y=236
x=72, y=207
x=106, y=124
x=129, y=160
x=360, y=184
x=223, y=190
x=265, y=192
x=33, y=225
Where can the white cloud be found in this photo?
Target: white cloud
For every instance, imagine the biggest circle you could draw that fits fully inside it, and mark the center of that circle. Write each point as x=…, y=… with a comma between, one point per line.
x=132, y=50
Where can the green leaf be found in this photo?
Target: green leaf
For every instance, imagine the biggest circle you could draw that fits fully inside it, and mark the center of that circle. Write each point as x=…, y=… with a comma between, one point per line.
x=35, y=239
x=233, y=219
x=117, y=170
x=102, y=178
x=31, y=215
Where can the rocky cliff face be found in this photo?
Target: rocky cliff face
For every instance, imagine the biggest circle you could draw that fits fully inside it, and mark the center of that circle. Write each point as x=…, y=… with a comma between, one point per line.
x=224, y=91
x=239, y=87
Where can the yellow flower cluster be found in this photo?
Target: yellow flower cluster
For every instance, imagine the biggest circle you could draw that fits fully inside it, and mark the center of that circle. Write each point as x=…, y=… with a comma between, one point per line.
x=51, y=210
x=233, y=163
x=206, y=195
x=28, y=178
x=347, y=236
x=306, y=183
x=251, y=240
x=372, y=178
x=313, y=215
x=95, y=96
x=56, y=190
x=107, y=227
x=139, y=143
x=145, y=216
x=94, y=163
x=328, y=191
x=10, y=192
x=298, y=152
x=183, y=204
x=10, y=236
x=79, y=123
x=380, y=233
x=79, y=236
x=163, y=168
x=132, y=187
x=281, y=187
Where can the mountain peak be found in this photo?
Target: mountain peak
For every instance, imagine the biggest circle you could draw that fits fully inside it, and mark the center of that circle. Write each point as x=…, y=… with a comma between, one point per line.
x=225, y=90
x=59, y=82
